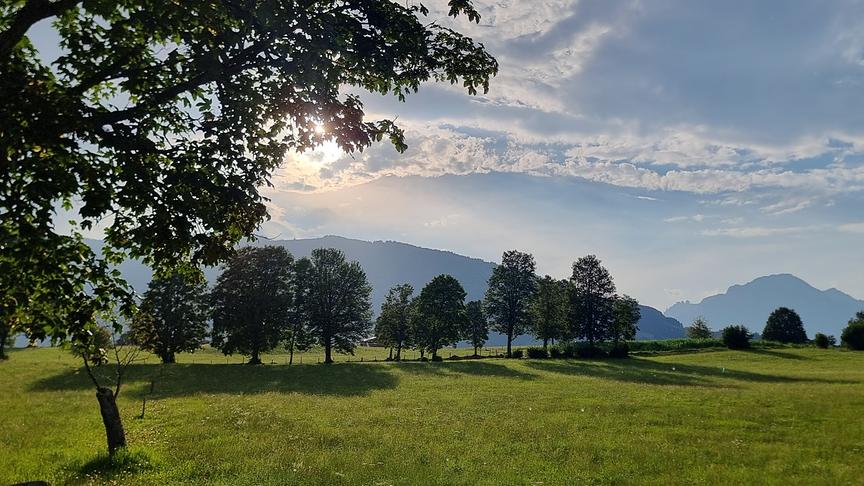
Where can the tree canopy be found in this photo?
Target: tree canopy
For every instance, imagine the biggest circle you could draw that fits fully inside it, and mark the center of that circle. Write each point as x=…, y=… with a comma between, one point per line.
x=337, y=305
x=785, y=326
x=476, y=329
x=699, y=329
x=625, y=319
x=549, y=310
x=161, y=120
x=439, y=315
x=173, y=316
x=508, y=298
x=251, y=301
x=393, y=327
x=592, y=297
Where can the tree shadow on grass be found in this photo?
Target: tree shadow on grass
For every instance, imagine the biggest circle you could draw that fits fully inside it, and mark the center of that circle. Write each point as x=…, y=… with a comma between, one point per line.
x=472, y=367
x=190, y=379
x=635, y=370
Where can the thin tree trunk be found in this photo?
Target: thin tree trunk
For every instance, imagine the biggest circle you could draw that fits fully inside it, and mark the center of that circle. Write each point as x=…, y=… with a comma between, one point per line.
x=291, y=355
x=256, y=358
x=545, y=343
x=2, y=347
x=327, y=358
x=509, y=344
x=111, y=419
x=399, y=352
x=391, y=353
x=475, y=351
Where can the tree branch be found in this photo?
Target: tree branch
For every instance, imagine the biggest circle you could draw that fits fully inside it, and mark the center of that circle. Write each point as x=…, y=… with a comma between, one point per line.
x=31, y=13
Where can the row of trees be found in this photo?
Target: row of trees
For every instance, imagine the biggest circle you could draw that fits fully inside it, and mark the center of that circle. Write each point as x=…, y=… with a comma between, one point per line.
x=517, y=302
x=263, y=299
x=784, y=325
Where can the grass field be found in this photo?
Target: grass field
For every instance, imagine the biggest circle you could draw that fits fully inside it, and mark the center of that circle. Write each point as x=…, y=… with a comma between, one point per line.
x=771, y=416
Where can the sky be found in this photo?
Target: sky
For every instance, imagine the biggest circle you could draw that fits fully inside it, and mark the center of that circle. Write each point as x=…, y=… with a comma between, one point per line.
x=691, y=145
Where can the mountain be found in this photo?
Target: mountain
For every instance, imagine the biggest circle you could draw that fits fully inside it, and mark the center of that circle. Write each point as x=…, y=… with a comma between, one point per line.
x=825, y=311
x=388, y=263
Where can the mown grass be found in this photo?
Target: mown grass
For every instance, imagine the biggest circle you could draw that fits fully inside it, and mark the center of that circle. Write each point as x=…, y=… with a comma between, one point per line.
x=766, y=416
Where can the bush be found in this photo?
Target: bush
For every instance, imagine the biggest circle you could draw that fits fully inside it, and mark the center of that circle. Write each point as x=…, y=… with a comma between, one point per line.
x=587, y=351
x=619, y=350
x=736, y=337
x=824, y=342
x=853, y=335
x=437, y=357
x=537, y=353
x=556, y=352
x=516, y=354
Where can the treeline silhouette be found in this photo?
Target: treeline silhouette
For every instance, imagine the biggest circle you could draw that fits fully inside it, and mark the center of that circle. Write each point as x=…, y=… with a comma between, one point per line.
x=265, y=299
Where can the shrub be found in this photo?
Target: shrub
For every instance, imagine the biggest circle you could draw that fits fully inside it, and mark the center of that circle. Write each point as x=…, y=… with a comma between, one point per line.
x=556, y=352
x=736, y=337
x=516, y=354
x=675, y=345
x=822, y=341
x=585, y=350
x=537, y=353
x=853, y=335
x=619, y=350
x=437, y=357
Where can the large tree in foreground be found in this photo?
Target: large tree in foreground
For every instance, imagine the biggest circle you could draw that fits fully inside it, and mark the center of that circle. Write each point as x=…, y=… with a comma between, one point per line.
x=592, y=296
x=173, y=316
x=784, y=325
x=439, y=314
x=161, y=120
x=508, y=298
x=337, y=303
x=392, y=329
x=251, y=302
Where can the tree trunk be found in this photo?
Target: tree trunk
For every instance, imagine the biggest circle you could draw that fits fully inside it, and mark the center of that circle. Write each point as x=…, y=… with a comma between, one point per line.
x=391, y=353
x=168, y=357
x=111, y=418
x=291, y=355
x=256, y=359
x=421, y=352
x=475, y=351
x=545, y=343
x=399, y=352
x=434, y=353
x=509, y=343
x=2, y=347
x=327, y=358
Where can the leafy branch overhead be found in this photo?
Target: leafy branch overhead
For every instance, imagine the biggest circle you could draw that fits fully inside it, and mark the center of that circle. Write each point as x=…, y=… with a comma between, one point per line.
x=161, y=119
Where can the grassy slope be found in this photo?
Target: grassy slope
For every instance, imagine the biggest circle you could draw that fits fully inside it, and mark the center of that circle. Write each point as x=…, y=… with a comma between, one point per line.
x=773, y=416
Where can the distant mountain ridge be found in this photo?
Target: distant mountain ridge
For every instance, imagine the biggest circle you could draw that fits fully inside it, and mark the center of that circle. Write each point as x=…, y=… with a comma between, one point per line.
x=750, y=304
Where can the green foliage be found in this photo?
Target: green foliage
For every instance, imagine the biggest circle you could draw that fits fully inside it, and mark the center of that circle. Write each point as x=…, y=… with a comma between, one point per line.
x=824, y=342
x=536, y=352
x=625, y=319
x=173, y=316
x=557, y=352
x=94, y=349
x=164, y=119
x=784, y=326
x=337, y=303
x=393, y=327
x=853, y=334
x=619, y=350
x=251, y=301
x=509, y=295
x=517, y=354
x=736, y=337
x=476, y=329
x=592, y=300
x=439, y=314
x=699, y=329
x=549, y=309
x=675, y=345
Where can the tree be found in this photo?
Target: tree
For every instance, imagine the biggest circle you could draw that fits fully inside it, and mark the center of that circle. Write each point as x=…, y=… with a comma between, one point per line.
x=823, y=341
x=476, y=329
x=699, y=329
x=736, y=337
x=591, y=300
x=853, y=334
x=251, y=301
x=508, y=297
x=338, y=308
x=549, y=309
x=439, y=314
x=173, y=316
x=784, y=326
x=394, y=323
x=165, y=118
x=297, y=336
x=625, y=319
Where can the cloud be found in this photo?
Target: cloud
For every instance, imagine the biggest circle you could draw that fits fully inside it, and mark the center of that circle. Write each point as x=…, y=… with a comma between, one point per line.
x=696, y=218
x=856, y=228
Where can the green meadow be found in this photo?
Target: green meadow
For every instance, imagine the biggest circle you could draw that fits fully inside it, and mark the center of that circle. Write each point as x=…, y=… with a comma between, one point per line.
x=765, y=416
